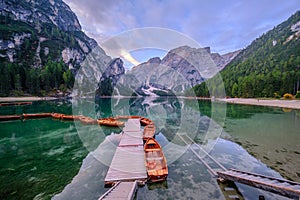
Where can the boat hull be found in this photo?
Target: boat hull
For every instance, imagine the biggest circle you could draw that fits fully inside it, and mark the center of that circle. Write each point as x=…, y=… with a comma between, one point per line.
x=156, y=178
x=155, y=161
x=145, y=121
x=149, y=132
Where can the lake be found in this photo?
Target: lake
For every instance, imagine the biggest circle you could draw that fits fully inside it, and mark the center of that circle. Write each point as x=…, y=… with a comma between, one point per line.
x=46, y=158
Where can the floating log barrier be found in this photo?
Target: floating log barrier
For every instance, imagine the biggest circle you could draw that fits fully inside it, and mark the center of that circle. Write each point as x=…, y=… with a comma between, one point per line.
x=88, y=121
x=15, y=103
x=110, y=122
x=127, y=117
x=56, y=115
x=36, y=115
x=10, y=117
x=71, y=117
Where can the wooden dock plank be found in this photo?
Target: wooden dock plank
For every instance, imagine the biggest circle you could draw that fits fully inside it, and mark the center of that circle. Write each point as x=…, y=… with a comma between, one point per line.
x=278, y=186
x=131, y=139
x=132, y=125
x=128, y=163
x=123, y=190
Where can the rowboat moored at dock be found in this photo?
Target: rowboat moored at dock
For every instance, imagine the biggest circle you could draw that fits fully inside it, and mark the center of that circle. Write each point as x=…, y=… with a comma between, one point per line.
x=155, y=161
x=149, y=132
x=145, y=121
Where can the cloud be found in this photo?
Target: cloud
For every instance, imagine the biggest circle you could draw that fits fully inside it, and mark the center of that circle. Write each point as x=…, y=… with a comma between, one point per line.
x=223, y=25
x=128, y=57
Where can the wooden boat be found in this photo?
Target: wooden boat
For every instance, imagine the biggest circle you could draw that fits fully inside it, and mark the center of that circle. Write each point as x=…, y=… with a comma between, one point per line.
x=56, y=115
x=71, y=117
x=110, y=122
x=145, y=121
x=37, y=115
x=149, y=132
x=10, y=117
x=87, y=120
x=155, y=161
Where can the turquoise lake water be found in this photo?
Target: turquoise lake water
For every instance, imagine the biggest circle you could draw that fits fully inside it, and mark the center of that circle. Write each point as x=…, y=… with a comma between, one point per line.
x=46, y=158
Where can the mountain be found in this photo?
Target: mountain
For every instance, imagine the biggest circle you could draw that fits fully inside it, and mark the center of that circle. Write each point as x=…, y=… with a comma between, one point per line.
x=181, y=69
x=268, y=67
x=109, y=78
x=223, y=60
x=41, y=46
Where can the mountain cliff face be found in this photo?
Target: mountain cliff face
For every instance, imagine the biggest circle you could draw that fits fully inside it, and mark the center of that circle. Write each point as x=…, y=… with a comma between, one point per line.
x=181, y=69
x=41, y=47
x=110, y=77
x=223, y=60
x=34, y=31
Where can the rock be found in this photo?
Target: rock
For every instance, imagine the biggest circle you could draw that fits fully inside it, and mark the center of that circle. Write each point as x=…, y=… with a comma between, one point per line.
x=114, y=71
x=181, y=69
x=223, y=60
x=49, y=28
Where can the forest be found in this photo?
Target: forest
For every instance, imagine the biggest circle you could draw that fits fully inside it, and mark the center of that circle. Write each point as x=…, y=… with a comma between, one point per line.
x=19, y=81
x=268, y=67
x=27, y=74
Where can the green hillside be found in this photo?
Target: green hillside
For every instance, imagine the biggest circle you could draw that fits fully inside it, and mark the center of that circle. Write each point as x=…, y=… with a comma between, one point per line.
x=40, y=51
x=269, y=65
x=20, y=76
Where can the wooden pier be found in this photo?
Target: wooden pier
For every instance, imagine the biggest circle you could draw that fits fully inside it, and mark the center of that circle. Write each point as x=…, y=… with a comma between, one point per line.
x=121, y=190
x=278, y=186
x=128, y=163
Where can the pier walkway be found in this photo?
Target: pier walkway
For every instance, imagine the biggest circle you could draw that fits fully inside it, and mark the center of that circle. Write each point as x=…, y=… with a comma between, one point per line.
x=278, y=186
x=121, y=190
x=128, y=163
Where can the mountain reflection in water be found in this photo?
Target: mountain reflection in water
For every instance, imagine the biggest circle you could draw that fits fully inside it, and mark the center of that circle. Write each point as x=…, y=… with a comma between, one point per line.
x=61, y=146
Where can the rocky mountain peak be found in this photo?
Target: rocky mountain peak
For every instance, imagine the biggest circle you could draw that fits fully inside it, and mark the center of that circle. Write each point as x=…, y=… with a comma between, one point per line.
x=222, y=60
x=40, y=30
x=155, y=60
x=114, y=70
x=41, y=11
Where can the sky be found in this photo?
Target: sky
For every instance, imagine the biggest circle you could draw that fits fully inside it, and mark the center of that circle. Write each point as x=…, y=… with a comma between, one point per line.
x=225, y=26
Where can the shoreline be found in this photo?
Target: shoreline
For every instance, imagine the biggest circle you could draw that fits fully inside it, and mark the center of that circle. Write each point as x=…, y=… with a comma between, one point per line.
x=292, y=104
x=20, y=99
